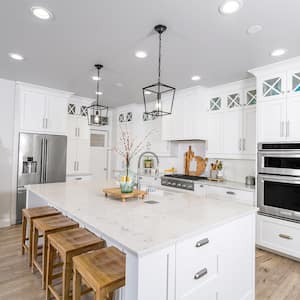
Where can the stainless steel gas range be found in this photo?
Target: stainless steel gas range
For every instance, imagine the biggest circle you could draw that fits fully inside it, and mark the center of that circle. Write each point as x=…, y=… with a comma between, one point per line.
x=278, y=182
x=180, y=181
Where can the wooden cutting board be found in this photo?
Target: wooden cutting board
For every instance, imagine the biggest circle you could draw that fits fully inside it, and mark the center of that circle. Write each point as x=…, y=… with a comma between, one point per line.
x=116, y=193
x=200, y=162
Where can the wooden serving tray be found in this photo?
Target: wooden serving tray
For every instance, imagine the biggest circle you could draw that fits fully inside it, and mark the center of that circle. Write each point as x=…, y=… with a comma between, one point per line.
x=116, y=193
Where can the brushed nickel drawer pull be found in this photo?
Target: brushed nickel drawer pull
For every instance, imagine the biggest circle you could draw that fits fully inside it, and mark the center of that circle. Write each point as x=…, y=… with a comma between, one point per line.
x=230, y=193
x=285, y=236
x=202, y=243
x=200, y=274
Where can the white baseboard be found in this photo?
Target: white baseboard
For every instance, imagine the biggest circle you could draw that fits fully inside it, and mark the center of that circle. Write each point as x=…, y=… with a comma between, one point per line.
x=4, y=222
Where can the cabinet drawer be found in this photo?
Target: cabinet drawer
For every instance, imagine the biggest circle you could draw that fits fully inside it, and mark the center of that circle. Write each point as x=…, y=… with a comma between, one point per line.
x=231, y=194
x=279, y=235
x=195, y=274
x=196, y=262
x=206, y=291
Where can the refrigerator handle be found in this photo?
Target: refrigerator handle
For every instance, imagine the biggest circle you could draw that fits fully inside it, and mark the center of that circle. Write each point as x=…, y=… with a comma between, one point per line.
x=46, y=160
x=42, y=162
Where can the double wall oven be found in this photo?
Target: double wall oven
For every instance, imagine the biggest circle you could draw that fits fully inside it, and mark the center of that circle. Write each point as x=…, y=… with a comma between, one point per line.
x=278, y=182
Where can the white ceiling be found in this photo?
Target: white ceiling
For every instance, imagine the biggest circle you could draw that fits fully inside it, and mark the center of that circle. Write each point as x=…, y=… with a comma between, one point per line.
x=61, y=53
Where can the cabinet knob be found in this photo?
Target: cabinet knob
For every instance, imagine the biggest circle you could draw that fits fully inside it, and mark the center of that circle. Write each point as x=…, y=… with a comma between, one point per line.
x=200, y=274
x=202, y=243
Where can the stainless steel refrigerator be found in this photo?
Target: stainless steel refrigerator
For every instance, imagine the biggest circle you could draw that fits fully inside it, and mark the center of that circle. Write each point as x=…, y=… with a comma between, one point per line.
x=42, y=159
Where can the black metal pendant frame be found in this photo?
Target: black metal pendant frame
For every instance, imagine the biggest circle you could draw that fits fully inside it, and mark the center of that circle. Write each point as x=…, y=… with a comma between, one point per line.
x=98, y=113
x=152, y=94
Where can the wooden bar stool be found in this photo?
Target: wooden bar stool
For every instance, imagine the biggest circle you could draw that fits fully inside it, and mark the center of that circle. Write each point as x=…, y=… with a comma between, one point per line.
x=102, y=270
x=67, y=244
x=45, y=226
x=28, y=215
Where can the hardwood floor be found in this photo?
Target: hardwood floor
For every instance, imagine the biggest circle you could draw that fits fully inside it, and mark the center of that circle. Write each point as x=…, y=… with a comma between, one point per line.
x=277, y=278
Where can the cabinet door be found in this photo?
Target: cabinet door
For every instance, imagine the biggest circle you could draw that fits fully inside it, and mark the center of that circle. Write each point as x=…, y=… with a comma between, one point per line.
x=33, y=106
x=168, y=123
x=249, y=129
x=273, y=87
x=233, y=131
x=56, y=114
x=83, y=156
x=71, y=156
x=72, y=128
x=293, y=119
x=293, y=82
x=271, y=119
x=215, y=135
x=83, y=128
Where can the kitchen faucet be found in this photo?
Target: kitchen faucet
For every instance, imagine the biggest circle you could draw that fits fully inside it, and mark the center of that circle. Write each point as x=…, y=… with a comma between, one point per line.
x=139, y=166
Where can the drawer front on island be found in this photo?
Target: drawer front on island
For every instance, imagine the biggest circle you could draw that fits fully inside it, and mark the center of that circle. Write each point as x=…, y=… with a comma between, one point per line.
x=278, y=235
x=244, y=197
x=221, y=267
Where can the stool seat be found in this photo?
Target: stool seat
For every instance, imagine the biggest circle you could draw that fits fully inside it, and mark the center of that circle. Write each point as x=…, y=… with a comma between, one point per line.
x=28, y=215
x=38, y=212
x=45, y=226
x=67, y=244
x=103, y=270
x=53, y=223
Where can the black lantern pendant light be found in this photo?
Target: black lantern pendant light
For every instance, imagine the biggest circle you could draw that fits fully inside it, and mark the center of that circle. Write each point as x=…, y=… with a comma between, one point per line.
x=97, y=113
x=155, y=106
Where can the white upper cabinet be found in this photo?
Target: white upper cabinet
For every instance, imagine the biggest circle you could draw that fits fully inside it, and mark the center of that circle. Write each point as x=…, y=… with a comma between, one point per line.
x=232, y=121
x=232, y=132
x=189, y=118
x=278, y=101
x=42, y=110
x=271, y=116
x=215, y=137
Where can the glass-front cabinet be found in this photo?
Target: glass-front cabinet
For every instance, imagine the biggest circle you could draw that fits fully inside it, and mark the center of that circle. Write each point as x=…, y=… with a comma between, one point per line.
x=273, y=86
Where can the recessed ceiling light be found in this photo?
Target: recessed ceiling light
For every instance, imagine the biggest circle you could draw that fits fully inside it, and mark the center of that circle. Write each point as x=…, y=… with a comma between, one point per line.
x=99, y=93
x=278, y=52
x=230, y=6
x=148, y=93
x=196, y=78
x=141, y=54
x=96, y=78
x=41, y=13
x=16, y=56
x=254, y=29
x=119, y=84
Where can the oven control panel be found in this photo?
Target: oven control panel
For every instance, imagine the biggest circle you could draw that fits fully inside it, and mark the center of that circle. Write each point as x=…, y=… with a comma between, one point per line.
x=177, y=183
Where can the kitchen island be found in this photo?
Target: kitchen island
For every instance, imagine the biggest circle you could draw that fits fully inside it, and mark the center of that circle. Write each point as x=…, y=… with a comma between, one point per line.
x=182, y=246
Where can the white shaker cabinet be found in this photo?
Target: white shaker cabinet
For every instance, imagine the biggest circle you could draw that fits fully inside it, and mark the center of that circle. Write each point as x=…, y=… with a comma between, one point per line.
x=32, y=111
x=249, y=131
x=214, y=131
x=232, y=131
x=278, y=88
x=271, y=117
x=42, y=110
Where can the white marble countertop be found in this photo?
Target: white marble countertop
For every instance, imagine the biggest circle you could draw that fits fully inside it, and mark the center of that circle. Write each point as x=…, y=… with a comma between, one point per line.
x=228, y=184
x=137, y=226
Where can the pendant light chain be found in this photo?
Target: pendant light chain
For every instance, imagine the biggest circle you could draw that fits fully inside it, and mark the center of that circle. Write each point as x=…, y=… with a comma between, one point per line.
x=98, y=86
x=159, y=58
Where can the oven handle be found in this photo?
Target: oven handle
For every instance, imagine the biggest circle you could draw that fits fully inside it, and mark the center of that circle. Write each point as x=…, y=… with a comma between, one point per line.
x=279, y=154
x=283, y=179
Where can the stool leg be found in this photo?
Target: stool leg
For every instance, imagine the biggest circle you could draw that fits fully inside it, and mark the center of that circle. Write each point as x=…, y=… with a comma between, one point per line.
x=50, y=261
x=45, y=255
x=76, y=285
x=30, y=241
x=34, y=247
x=24, y=225
x=67, y=272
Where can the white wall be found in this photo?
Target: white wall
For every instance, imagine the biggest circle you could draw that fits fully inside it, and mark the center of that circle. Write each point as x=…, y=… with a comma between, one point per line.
x=7, y=96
